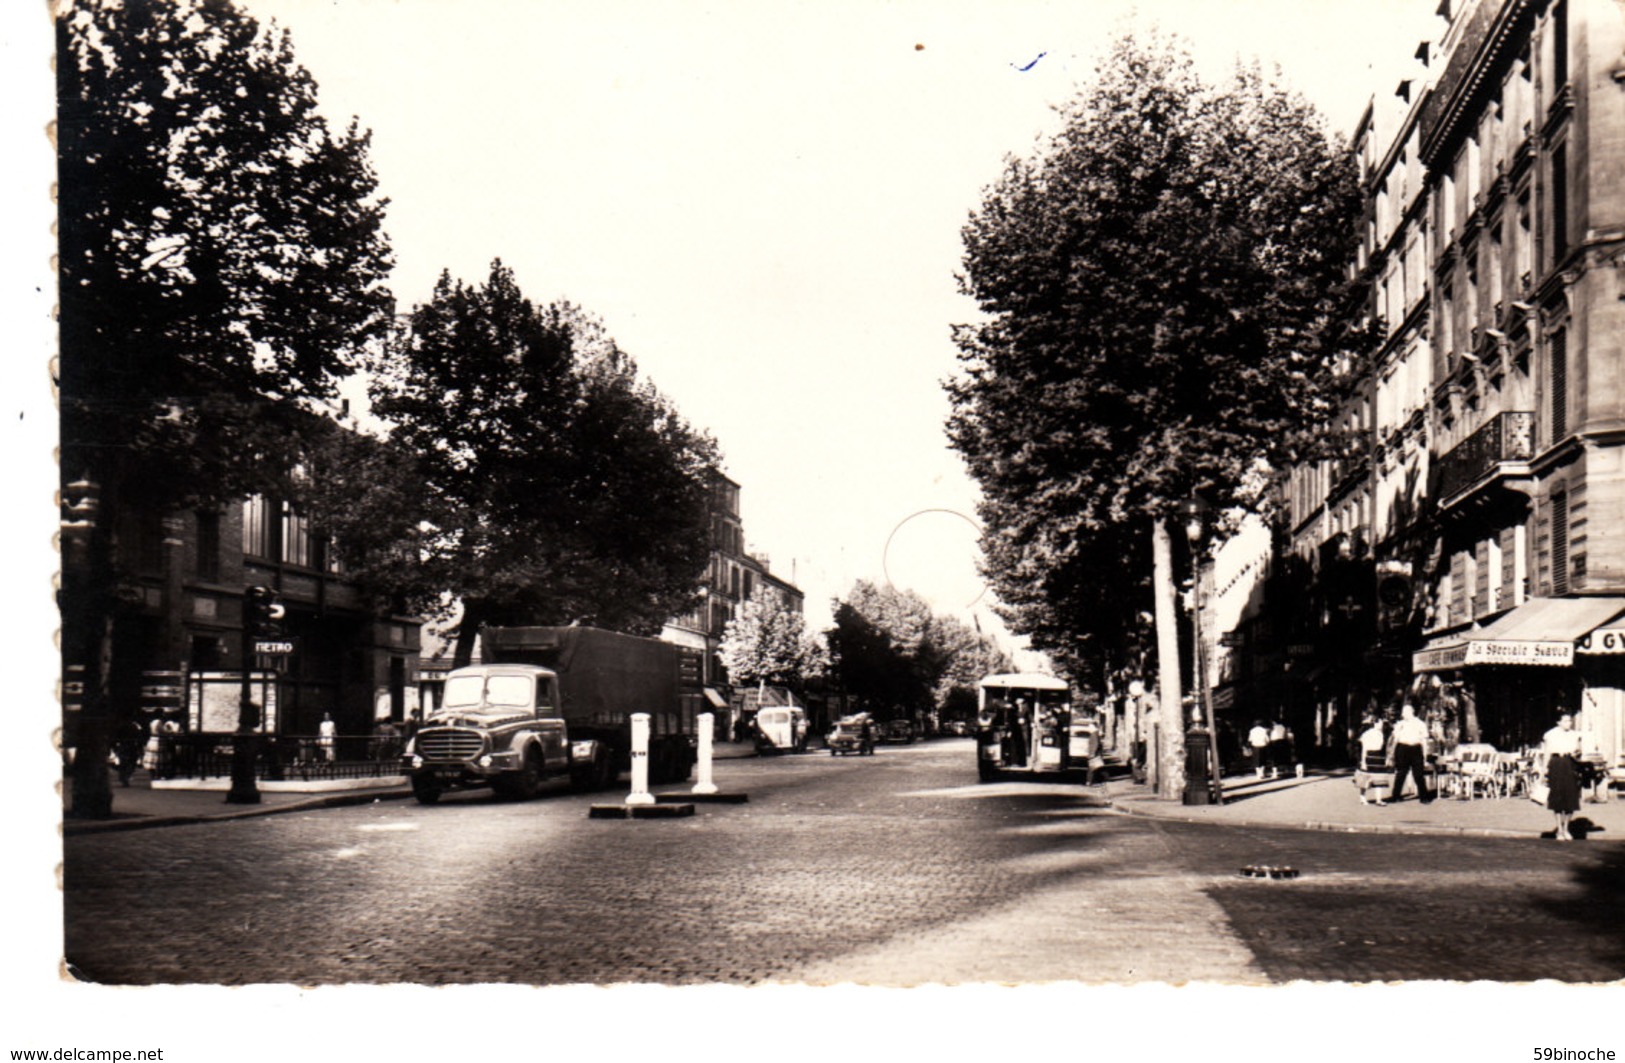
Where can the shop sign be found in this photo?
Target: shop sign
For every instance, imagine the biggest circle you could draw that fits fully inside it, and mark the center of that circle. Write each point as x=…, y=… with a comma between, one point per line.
x=1508, y=651
x=1440, y=659
x=1604, y=640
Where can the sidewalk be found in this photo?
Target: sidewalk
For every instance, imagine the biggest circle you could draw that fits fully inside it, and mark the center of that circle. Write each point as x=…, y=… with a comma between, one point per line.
x=168, y=804
x=141, y=805
x=1328, y=801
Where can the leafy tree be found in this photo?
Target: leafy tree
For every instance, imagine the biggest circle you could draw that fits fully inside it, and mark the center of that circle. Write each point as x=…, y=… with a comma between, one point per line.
x=367, y=497
x=891, y=651
x=967, y=656
x=1161, y=288
x=766, y=642
x=222, y=265
x=222, y=255
x=560, y=486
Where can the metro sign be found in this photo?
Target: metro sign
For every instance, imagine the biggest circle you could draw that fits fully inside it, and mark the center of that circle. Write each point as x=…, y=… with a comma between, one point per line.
x=274, y=647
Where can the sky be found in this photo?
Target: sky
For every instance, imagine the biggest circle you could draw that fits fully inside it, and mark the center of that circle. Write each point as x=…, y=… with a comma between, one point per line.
x=763, y=202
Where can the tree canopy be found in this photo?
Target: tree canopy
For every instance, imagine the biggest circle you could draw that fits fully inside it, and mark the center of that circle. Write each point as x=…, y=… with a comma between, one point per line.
x=891, y=651
x=767, y=642
x=222, y=252
x=1162, y=289
x=560, y=486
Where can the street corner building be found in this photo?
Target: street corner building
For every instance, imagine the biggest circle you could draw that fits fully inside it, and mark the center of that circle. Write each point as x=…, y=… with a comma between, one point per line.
x=1463, y=546
x=337, y=672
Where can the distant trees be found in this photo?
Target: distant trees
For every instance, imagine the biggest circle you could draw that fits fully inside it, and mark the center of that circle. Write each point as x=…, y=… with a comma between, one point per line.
x=890, y=651
x=1161, y=288
x=558, y=485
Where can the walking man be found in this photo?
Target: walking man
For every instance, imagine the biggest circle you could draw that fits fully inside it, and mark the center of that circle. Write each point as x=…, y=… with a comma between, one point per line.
x=1410, y=751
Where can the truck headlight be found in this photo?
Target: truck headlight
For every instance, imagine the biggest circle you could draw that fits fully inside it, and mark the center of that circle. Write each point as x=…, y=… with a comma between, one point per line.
x=486, y=761
x=417, y=761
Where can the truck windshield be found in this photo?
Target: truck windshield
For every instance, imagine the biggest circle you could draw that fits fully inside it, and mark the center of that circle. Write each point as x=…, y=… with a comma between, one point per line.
x=464, y=691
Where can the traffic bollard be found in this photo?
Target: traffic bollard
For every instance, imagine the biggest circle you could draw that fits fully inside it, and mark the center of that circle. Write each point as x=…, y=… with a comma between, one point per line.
x=640, y=794
x=705, y=785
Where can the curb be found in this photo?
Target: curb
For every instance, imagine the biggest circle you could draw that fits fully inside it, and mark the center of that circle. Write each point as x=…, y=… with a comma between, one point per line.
x=1325, y=825
x=76, y=826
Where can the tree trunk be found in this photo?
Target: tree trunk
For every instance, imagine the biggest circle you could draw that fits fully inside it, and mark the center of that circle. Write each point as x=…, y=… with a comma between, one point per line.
x=1170, y=710
x=468, y=632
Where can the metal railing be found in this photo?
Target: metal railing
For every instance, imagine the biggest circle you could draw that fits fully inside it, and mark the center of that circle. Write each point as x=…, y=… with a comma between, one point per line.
x=279, y=757
x=1503, y=438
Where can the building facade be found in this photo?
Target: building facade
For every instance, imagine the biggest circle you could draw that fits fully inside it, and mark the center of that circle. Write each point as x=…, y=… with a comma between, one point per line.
x=732, y=577
x=177, y=627
x=1464, y=545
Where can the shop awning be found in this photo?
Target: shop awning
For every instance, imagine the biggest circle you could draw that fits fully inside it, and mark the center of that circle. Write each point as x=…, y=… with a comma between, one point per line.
x=715, y=699
x=1542, y=631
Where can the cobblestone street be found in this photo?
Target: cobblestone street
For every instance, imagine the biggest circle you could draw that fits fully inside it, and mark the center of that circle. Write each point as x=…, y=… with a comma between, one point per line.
x=898, y=869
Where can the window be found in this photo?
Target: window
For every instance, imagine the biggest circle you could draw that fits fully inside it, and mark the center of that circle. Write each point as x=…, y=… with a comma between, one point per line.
x=1496, y=264
x=1558, y=370
x=1560, y=543
x=256, y=527
x=1525, y=246
x=1560, y=45
x=1560, y=202
x=208, y=545
x=295, y=537
x=1447, y=322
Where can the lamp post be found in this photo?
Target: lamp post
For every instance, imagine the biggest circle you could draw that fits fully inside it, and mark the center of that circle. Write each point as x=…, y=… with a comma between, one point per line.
x=85, y=603
x=1195, y=513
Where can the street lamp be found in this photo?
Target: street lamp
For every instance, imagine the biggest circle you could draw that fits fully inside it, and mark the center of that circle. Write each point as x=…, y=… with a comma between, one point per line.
x=1194, y=511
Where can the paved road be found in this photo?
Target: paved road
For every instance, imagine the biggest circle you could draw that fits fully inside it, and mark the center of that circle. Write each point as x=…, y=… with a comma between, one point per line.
x=892, y=869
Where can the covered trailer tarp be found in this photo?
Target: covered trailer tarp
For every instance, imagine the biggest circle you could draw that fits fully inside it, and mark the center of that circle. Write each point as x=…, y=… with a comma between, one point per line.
x=604, y=676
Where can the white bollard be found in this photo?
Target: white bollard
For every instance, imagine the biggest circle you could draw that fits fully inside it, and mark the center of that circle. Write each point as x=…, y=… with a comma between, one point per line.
x=640, y=794
x=705, y=723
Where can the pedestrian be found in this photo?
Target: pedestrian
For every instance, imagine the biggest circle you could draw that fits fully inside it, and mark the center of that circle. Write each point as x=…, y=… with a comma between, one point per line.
x=866, y=738
x=1020, y=733
x=127, y=750
x=1561, y=746
x=327, y=737
x=1373, y=760
x=1259, y=740
x=1410, y=754
x=1281, y=755
x=157, y=756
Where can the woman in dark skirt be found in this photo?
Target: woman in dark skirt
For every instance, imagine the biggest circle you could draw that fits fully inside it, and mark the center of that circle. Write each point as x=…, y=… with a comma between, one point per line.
x=1562, y=747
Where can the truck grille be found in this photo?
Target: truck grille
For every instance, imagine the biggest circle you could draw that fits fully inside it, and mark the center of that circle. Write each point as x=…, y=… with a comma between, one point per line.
x=449, y=743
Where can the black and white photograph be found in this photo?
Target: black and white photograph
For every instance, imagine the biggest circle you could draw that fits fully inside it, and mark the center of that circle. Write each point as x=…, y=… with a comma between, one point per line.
x=921, y=530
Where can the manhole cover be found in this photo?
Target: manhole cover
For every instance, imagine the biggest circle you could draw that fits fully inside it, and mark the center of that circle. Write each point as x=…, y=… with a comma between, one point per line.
x=1268, y=871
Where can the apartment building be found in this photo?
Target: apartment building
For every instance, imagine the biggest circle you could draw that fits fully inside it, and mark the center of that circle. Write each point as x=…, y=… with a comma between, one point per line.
x=1466, y=548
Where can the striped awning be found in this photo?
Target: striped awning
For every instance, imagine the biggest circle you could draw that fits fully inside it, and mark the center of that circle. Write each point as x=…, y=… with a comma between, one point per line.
x=1542, y=631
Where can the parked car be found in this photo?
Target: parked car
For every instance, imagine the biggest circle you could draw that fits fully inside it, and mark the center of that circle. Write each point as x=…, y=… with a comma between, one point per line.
x=898, y=732
x=956, y=728
x=852, y=734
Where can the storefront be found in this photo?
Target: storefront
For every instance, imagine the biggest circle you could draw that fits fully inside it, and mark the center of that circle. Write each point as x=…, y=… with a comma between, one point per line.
x=1506, y=682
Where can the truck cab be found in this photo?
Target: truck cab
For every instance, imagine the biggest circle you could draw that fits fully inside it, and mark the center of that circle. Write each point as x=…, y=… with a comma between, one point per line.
x=498, y=725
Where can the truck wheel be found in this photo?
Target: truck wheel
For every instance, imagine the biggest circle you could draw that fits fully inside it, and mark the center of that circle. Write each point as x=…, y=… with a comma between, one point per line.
x=986, y=771
x=426, y=789
x=523, y=784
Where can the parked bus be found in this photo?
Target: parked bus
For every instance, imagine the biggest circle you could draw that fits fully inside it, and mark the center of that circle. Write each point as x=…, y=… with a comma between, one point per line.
x=1025, y=726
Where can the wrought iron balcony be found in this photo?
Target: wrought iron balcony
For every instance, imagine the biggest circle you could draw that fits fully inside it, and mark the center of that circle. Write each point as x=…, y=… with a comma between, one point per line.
x=1507, y=437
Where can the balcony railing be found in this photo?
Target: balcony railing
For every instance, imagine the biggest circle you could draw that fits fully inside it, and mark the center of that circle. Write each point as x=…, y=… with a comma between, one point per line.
x=1504, y=438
